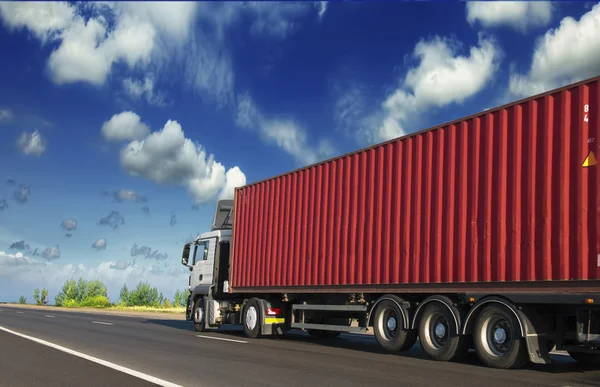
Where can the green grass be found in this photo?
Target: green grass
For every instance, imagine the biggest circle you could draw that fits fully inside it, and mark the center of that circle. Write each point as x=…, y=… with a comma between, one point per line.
x=149, y=309
x=111, y=307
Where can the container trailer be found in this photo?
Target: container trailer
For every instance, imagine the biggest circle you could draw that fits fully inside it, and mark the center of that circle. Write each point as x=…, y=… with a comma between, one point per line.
x=479, y=233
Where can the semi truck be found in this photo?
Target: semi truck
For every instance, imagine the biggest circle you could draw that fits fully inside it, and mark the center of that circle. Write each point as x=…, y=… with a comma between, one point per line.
x=481, y=233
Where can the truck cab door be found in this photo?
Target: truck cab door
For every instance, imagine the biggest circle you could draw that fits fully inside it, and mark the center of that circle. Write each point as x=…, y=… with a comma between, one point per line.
x=203, y=260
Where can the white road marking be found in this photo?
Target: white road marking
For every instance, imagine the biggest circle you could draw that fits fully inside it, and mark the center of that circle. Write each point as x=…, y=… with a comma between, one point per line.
x=222, y=338
x=129, y=371
x=100, y=322
x=20, y=312
x=47, y=315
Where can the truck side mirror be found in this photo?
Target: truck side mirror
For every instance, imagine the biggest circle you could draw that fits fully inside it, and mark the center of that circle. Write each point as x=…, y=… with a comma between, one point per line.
x=186, y=255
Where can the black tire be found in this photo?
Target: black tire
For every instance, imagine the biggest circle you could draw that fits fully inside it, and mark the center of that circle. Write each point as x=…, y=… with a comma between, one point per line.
x=199, y=315
x=437, y=334
x=584, y=357
x=497, y=338
x=389, y=329
x=251, y=319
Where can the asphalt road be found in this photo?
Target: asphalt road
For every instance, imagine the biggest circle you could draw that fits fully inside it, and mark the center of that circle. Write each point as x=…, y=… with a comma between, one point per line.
x=24, y=363
x=172, y=351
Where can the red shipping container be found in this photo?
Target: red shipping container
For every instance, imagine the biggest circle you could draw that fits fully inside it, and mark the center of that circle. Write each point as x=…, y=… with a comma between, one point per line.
x=509, y=194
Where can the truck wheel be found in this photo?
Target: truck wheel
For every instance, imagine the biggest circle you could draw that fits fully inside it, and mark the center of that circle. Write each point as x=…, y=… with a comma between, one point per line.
x=389, y=329
x=198, y=315
x=584, y=357
x=437, y=333
x=251, y=319
x=498, y=340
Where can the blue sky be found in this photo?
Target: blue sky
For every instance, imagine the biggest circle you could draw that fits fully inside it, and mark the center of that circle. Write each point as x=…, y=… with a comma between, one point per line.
x=106, y=108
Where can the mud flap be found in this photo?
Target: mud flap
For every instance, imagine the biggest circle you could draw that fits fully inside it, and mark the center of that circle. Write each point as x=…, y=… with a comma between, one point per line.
x=535, y=336
x=269, y=328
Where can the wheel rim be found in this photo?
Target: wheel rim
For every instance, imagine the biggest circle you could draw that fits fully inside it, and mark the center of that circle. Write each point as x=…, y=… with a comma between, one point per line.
x=436, y=329
x=251, y=318
x=388, y=324
x=497, y=336
x=198, y=314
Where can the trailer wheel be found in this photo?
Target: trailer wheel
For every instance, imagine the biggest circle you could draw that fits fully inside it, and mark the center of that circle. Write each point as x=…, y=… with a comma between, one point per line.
x=497, y=338
x=389, y=329
x=584, y=357
x=437, y=333
x=251, y=319
x=198, y=315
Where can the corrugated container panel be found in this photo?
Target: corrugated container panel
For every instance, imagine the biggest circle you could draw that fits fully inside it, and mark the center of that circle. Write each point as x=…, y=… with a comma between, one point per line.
x=500, y=196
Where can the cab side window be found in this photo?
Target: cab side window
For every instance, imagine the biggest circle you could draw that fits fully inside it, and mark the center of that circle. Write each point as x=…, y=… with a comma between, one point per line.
x=201, y=252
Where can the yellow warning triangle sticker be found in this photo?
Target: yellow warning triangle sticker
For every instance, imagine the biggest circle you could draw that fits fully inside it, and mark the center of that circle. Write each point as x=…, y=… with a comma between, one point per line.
x=590, y=160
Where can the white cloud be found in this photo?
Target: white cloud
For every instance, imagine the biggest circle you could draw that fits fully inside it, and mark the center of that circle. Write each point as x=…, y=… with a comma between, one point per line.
x=137, y=89
x=99, y=244
x=442, y=77
x=51, y=253
x=520, y=15
x=158, y=36
x=322, y=5
x=566, y=54
x=127, y=195
x=44, y=19
x=18, y=259
x=32, y=143
x=209, y=70
x=88, y=50
x=5, y=114
x=69, y=224
x=284, y=133
x=167, y=156
x=233, y=178
x=173, y=19
x=350, y=104
x=88, y=47
x=19, y=275
x=124, y=126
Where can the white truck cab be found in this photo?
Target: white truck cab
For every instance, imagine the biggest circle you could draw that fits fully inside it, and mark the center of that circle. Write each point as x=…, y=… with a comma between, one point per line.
x=207, y=257
x=201, y=261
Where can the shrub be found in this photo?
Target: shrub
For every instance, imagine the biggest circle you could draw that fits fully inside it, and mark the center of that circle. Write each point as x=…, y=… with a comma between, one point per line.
x=40, y=300
x=70, y=304
x=82, y=293
x=124, y=296
x=143, y=295
x=96, y=302
x=22, y=300
x=181, y=297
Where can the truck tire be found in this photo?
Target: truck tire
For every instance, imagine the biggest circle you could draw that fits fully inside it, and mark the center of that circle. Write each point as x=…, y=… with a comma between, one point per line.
x=199, y=315
x=251, y=319
x=584, y=357
x=497, y=338
x=389, y=329
x=437, y=334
